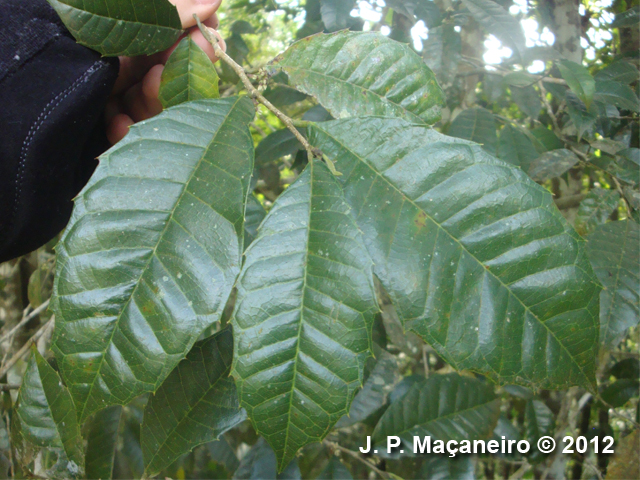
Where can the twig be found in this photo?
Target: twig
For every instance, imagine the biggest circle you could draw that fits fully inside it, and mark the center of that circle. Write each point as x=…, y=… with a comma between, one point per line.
x=25, y=320
x=253, y=92
x=8, y=387
x=7, y=424
x=25, y=348
x=543, y=94
x=355, y=455
x=518, y=474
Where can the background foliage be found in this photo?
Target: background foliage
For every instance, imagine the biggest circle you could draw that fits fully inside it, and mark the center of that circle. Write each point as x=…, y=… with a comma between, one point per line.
x=549, y=87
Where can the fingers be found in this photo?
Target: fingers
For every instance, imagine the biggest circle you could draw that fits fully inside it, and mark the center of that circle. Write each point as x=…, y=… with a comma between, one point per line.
x=118, y=127
x=198, y=38
x=203, y=8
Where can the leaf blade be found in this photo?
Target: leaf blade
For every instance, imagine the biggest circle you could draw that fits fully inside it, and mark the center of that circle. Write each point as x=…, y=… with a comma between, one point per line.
x=163, y=274
x=410, y=203
x=363, y=74
x=302, y=336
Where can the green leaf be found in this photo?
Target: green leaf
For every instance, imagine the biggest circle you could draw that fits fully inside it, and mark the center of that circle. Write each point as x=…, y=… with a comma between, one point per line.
x=516, y=148
x=102, y=443
x=546, y=140
x=152, y=250
x=579, y=80
x=260, y=464
x=335, y=470
x=196, y=404
x=619, y=71
x=539, y=422
x=528, y=100
x=444, y=407
x=275, y=146
x=582, y=118
x=618, y=94
x=336, y=13
x=618, y=393
x=478, y=125
x=497, y=21
x=614, y=253
x=188, y=75
x=552, y=164
x=254, y=215
x=353, y=74
x=622, y=166
x=425, y=10
x=442, y=51
x=373, y=395
x=475, y=256
x=596, y=209
x=518, y=79
x=121, y=27
x=282, y=96
x=440, y=467
x=629, y=18
x=303, y=316
x=48, y=417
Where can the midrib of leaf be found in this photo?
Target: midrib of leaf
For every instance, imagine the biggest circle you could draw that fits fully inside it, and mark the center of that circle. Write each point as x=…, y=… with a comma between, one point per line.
x=302, y=303
x=222, y=377
x=462, y=247
x=153, y=255
x=617, y=277
x=414, y=117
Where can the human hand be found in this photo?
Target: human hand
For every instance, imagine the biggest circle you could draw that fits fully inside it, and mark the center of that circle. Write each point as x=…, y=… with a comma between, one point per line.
x=135, y=94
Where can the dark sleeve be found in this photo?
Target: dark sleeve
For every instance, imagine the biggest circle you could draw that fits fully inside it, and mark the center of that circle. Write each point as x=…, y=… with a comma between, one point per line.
x=52, y=98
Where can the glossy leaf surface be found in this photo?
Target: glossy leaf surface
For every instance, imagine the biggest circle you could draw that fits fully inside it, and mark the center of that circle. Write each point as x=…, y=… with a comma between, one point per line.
x=596, y=209
x=614, y=251
x=355, y=74
x=152, y=250
x=48, y=417
x=302, y=325
x=444, y=407
x=196, y=404
x=188, y=75
x=475, y=256
x=121, y=27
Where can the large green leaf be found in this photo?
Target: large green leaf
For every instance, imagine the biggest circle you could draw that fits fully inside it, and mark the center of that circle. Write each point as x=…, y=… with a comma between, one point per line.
x=188, y=75
x=121, y=27
x=497, y=21
x=596, y=209
x=475, y=256
x=152, y=250
x=196, y=404
x=354, y=74
x=619, y=71
x=478, y=125
x=628, y=18
x=48, y=417
x=579, y=80
x=614, y=251
x=304, y=313
x=444, y=407
x=442, y=52
x=516, y=148
x=528, y=100
x=102, y=442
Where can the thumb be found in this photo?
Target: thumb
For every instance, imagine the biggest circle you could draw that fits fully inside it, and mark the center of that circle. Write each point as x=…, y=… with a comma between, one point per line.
x=203, y=8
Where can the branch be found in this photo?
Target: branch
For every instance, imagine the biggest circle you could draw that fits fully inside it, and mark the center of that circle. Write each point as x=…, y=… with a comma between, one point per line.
x=25, y=320
x=25, y=348
x=355, y=455
x=208, y=34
